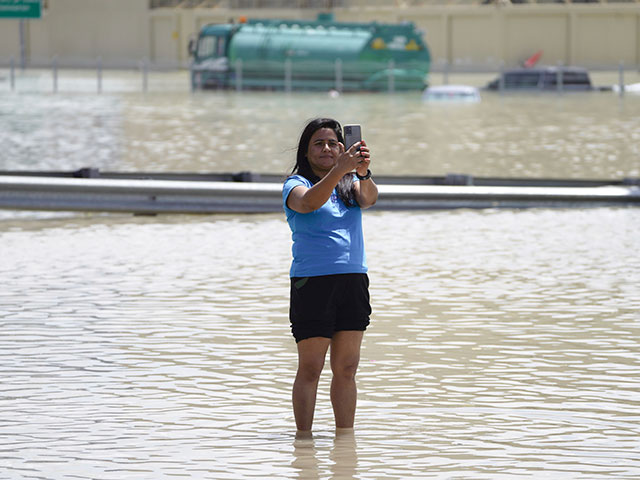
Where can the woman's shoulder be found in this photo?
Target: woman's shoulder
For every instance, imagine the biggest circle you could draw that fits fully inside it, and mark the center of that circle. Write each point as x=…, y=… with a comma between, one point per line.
x=293, y=180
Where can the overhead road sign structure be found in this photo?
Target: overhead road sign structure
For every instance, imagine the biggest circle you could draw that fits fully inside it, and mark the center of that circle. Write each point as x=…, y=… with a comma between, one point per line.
x=20, y=8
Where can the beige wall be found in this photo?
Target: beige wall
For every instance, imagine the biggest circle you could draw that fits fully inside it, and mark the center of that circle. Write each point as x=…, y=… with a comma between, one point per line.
x=597, y=36
x=468, y=37
x=80, y=31
x=477, y=37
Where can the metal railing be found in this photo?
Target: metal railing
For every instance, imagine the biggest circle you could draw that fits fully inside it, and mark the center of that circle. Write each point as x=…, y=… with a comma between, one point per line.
x=329, y=4
x=315, y=4
x=47, y=78
x=175, y=196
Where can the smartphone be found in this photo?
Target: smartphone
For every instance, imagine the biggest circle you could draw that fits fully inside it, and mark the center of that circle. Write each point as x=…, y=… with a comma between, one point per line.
x=352, y=134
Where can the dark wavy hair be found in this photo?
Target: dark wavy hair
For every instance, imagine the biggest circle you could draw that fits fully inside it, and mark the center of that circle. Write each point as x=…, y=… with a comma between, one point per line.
x=302, y=167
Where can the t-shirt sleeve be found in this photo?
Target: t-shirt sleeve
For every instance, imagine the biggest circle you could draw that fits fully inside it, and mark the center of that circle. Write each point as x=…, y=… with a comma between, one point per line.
x=289, y=184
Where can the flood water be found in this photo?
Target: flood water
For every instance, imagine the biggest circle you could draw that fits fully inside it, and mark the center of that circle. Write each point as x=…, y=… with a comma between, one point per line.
x=579, y=135
x=503, y=344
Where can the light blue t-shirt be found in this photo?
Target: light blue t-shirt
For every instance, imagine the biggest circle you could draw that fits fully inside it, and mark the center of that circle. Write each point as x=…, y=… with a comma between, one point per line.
x=326, y=241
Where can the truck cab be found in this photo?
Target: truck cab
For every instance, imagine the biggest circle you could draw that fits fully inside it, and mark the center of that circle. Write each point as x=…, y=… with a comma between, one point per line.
x=210, y=52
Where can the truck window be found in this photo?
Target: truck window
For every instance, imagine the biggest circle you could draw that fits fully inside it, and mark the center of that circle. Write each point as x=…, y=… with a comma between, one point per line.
x=211, y=46
x=206, y=47
x=221, y=47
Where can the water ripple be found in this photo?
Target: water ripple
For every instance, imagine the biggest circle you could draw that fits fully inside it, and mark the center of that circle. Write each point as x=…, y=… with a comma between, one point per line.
x=503, y=344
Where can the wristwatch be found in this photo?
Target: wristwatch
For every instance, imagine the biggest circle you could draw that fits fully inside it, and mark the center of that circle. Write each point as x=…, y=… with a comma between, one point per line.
x=364, y=177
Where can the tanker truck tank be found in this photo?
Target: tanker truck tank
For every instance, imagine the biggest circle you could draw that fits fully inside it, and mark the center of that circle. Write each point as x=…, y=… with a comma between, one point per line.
x=310, y=55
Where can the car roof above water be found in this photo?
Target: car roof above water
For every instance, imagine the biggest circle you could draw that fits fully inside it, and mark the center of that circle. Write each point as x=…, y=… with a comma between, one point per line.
x=543, y=78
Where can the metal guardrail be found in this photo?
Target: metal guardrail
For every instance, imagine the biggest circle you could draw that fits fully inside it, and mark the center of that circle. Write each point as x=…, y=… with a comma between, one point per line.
x=330, y=4
x=413, y=197
x=137, y=196
x=315, y=4
x=179, y=196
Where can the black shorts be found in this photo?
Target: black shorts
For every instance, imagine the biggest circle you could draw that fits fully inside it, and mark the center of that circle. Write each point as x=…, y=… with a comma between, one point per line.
x=323, y=305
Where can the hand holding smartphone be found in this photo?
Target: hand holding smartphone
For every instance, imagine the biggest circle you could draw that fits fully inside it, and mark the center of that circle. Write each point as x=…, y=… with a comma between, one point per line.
x=352, y=134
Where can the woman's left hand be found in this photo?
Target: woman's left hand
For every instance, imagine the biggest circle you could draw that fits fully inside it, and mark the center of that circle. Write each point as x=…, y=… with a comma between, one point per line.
x=365, y=160
x=366, y=192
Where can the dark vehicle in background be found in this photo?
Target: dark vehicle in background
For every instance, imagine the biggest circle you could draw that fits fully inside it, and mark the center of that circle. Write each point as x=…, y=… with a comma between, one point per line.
x=543, y=79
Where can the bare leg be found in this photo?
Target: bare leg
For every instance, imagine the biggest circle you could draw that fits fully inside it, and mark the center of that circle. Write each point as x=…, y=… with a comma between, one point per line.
x=345, y=356
x=311, y=355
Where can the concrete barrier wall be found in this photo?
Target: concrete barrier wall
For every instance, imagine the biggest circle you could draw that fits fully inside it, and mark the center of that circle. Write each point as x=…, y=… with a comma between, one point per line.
x=464, y=37
x=79, y=31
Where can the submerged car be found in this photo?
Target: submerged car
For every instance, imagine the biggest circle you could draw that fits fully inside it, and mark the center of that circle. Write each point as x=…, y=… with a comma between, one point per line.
x=451, y=93
x=543, y=78
x=629, y=88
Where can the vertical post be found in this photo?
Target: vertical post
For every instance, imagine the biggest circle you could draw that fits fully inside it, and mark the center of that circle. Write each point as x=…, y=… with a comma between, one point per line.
x=54, y=69
x=445, y=72
x=99, y=73
x=144, y=68
x=23, y=44
x=287, y=75
x=239, y=75
x=391, y=81
x=621, y=77
x=338, y=68
x=559, y=79
x=195, y=79
x=12, y=74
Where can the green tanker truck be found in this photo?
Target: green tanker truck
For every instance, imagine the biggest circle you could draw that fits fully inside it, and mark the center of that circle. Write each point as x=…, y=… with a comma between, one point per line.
x=310, y=55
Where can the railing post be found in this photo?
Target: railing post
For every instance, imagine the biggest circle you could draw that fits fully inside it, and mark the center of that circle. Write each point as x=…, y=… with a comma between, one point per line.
x=12, y=74
x=287, y=75
x=559, y=79
x=445, y=72
x=144, y=68
x=391, y=81
x=621, y=77
x=239, y=75
x=338, y=69
x=99, y=73
x=54, y=69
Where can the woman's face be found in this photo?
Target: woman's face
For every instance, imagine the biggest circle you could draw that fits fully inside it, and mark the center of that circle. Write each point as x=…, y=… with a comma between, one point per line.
x=323, y=151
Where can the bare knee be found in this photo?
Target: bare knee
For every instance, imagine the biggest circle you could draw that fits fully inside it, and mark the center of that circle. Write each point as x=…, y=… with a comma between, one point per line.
x=345, y=368
x=310, y=371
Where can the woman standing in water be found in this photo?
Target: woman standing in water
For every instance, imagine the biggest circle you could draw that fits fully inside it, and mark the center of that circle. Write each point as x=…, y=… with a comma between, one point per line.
x=329, y=285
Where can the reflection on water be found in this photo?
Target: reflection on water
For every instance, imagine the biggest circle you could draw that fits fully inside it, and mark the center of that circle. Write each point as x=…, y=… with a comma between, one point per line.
x=57, y=132
x=503, y=344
